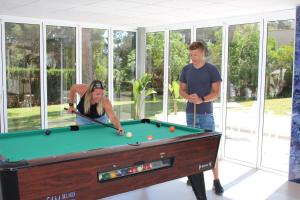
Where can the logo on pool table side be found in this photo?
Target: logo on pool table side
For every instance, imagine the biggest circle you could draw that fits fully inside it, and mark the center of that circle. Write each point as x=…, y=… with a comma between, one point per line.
x=63, y=196
x=205, y=166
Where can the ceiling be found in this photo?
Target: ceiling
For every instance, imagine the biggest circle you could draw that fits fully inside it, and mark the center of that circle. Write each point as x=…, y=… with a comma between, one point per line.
x=139, y=13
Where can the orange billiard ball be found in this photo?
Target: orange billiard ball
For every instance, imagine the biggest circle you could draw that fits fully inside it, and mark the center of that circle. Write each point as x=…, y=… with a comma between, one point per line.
x=172, y=128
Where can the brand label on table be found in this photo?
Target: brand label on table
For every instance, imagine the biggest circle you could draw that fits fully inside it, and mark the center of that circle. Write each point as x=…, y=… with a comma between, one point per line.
x=63, y=196
x=205, y=166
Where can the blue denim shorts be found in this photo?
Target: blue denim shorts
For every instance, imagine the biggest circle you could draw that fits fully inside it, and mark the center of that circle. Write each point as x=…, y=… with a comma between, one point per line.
x=81, y=120
x=203, y=121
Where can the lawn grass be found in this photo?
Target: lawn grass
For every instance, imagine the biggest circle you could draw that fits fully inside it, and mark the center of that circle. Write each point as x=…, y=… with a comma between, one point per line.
x=282, y=106
x=30, y=117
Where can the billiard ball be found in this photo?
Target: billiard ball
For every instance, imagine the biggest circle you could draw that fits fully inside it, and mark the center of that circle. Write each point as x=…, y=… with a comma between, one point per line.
x=47, y=132
x=113, y=174
x=105, y=176
x=172, y=128
x=158, y=125
x=140, y=168
x=129, y=134
x=149, y=137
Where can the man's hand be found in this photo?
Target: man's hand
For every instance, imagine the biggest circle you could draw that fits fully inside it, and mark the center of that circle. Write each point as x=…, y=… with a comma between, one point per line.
x=195, y=99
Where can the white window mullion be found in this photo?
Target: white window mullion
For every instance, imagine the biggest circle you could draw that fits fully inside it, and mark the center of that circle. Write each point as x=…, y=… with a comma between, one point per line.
x=78, y=54
x=225, y=54
x=2, y=116
x=44, y=99
x=4, y=87
x=261, y=88
x=42, y=68
x=166, y=75
x=110, y=66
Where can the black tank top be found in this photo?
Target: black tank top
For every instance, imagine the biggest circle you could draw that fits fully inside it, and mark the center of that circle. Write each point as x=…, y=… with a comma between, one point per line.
x=93, y=109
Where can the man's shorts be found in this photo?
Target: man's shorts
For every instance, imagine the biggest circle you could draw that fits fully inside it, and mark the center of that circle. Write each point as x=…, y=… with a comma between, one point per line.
x=203, y=121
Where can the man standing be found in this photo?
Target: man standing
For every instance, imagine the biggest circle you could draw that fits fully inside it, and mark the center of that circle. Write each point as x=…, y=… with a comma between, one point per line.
x=200, y=85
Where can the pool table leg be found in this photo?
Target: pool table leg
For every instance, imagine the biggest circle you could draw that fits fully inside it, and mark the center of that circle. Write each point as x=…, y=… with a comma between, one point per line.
x=198, y=185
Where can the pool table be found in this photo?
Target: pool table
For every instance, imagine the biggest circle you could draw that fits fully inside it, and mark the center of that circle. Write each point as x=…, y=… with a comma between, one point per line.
x=93, y=162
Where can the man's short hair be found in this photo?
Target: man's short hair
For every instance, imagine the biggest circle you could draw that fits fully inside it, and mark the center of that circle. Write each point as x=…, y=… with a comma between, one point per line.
x=197, y=45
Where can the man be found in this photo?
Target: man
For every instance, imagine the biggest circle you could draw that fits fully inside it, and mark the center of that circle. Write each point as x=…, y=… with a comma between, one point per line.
x=200, y=85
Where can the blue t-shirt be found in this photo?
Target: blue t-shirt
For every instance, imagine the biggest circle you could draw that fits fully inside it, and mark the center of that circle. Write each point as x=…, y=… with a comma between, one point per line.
x=200, y=81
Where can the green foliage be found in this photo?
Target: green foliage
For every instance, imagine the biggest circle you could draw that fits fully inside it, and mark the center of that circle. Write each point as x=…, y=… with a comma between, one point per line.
x=179, y=55
x=124, y=60
x=174, y=92
x=141, y=90
x=95, y=51
x=279, y=69
x=215, y=49
x=155, y=59
x=174, y=89
x=101, y=73
x=243, y=58
x=155, y=50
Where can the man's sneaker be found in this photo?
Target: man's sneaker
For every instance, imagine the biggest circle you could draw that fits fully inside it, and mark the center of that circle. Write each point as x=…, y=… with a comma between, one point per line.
x=218, y=187
x=188, y=182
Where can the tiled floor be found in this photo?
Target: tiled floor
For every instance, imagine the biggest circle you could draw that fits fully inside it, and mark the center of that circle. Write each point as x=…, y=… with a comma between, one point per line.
x=240, y=183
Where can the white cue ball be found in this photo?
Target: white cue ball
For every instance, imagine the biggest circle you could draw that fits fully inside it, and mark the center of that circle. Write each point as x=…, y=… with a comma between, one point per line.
x=129, y=134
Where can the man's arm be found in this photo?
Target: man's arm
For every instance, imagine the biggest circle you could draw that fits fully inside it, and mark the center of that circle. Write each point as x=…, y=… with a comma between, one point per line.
x=215, y=92
x=213, y=95
x=111, y=115
x=183, y=91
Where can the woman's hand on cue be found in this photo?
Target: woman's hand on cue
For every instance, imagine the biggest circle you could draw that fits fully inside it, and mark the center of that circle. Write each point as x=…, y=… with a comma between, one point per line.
x=120, y=131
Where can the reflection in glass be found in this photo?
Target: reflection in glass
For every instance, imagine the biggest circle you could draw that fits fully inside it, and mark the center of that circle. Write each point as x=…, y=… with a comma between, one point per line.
x=124, y=73
x=22, y=50
x=242, y=112
x=94, y=55
x=155, y=67
x=178, y=58
x=278, y=92
x=61, y=73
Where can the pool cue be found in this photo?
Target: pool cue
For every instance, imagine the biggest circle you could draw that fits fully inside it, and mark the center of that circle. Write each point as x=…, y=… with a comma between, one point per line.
x=91, y=119
x=195, y=115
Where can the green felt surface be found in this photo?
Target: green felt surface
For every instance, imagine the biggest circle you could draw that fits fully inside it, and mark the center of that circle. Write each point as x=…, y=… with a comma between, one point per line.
x=28, y=145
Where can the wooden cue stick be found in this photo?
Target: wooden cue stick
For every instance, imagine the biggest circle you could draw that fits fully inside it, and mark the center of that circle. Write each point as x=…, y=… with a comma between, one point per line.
x=195, y=115
x=91, y=119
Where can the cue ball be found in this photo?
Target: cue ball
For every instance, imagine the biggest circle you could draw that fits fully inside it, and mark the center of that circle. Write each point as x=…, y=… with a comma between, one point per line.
x=172, y=128
x=129, y=134
x=157, y=125
x=47, y=131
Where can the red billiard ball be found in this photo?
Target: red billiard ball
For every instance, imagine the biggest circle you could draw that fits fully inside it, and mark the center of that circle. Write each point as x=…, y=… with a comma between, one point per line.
x=172, y=128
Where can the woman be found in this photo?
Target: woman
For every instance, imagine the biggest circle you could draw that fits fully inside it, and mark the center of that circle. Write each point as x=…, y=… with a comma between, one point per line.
x=93, y=104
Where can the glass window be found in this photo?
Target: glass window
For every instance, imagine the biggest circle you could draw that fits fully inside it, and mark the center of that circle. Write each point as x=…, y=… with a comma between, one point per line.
x=124, y=73
x=61, y=73
x=94, y=55
x=22, y=50
x=155, y=67
x=242, y=112
x=278, y=93
x=212, y=36
x=178, y=58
